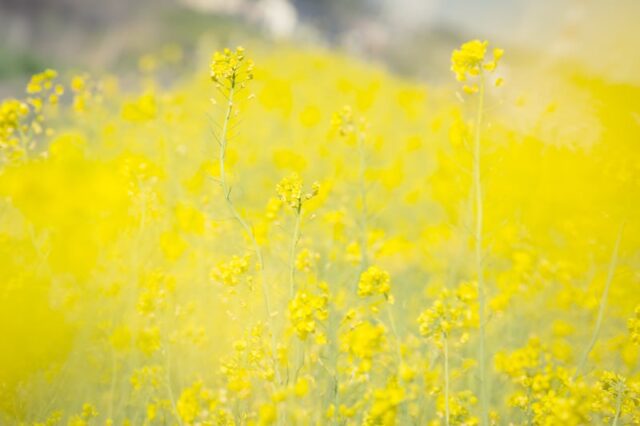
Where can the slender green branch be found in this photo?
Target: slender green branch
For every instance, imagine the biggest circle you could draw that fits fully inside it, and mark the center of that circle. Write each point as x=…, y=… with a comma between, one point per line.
x=446, y=379
x=396, y=337
x=619, y=397
x=603, y=300
x=292, y=251
x=245, y=225
x=477, y=184
x=364, y=261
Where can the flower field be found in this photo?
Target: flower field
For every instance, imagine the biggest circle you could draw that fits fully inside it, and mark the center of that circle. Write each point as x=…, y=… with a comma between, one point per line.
x=291, y=236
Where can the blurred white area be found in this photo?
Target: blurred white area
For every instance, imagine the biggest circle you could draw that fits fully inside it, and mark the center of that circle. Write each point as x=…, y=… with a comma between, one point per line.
x=409, y=14
x=415, y=36
x=602, y=34
x=216, y=6
x=278, y=17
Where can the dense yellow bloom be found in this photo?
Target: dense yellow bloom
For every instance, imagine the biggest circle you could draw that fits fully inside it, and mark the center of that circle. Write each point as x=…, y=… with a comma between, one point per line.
x=290, y=191
x=305, y=310
x=42, y=81
x=140, y=110
x=112, y=231
x=460, y=409
x=385, y=404
x=231, y=69
x=306, y=260
x=451, y=311
x=199, y=405
x=619, y=398
x=85, y=417
x=346, y=124
x=364, y=341
x=231, y=272
x=12, y=111
x=470, y=61
x=634, y=326
x=374, y=281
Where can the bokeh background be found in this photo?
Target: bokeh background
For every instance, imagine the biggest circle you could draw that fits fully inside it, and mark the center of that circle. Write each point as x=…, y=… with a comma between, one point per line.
x=414, y=37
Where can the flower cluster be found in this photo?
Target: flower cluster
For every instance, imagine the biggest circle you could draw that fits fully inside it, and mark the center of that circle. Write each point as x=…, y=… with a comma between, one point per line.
x=231, y=69
x=306, y=260
x=199, y=405
x=363, y=341
x=86, y=92
x=618, y=398
x=85, y=417
x=634, y=326
x=305, y=310
x=460, y=408
x=43, y=86
x=231, y=272
x=12, y=111
x=374, y=281
x=346, y=124
x=451, y=311
x=469, y=61
x=386, y=401
x=251, y=360
x=290, y=191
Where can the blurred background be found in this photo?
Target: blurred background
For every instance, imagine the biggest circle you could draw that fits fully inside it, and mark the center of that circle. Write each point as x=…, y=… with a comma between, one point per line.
x=413, y=37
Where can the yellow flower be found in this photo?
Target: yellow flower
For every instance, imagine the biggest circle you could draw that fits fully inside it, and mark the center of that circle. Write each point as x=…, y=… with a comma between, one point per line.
x=634, y=326
x=267, y=414
x=306, y=260
x=231, y=69
x=142, y=109
x=469, y=61
x=449, y=312
x=364, y=341
x=230, y=273
x=304, y=310
x=290, y=191
x=384, y=409
x=374, y=281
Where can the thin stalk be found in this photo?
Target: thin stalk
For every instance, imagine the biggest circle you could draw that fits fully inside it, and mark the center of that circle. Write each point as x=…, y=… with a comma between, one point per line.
x=172, y=399
x=446, y=379
x=364, y=261
x=112, y=388
x=477, y=184
x=245, y=226
x=394, y=330
x=603, y=300
x=292, y=252
x=396, y=338
x=618, y=407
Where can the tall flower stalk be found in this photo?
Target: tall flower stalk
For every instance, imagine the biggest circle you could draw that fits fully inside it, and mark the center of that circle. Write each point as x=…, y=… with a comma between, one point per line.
x=478, y=228
x=291, y=193
x=469, y=62
x=231, y=71
x=354, y=131
x=603, y=300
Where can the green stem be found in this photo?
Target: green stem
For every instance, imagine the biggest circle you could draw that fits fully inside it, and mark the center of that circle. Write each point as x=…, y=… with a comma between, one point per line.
x=446, y=379
x=477, y=183
x=618, y=407
x=394, y=330
x=246, y=227
x=292, y=252
x=603, y=300
x=172, y=399
x=364, y=261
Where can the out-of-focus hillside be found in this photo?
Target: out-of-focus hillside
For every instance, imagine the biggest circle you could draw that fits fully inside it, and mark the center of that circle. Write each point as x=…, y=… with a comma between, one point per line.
x=411, y=36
